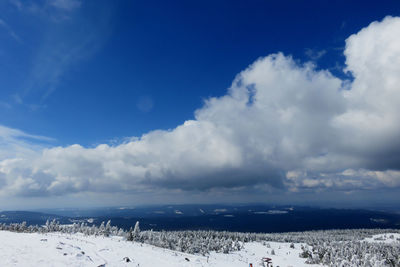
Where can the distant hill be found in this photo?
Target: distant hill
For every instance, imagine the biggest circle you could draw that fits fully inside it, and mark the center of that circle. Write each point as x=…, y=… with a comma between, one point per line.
x=242, y=218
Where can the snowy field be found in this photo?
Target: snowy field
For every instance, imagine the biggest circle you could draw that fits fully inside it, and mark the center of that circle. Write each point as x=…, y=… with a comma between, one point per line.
x=388, y=238
x=57, y=249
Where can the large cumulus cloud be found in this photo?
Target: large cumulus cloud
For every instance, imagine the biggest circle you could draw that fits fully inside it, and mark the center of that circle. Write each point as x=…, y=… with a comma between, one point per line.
x=281, y=124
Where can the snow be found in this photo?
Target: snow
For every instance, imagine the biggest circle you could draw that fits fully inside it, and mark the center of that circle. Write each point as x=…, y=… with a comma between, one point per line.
x=159, y=212
x=387, y=238
x=271, y=212
x=57, y=249
x=220, y=210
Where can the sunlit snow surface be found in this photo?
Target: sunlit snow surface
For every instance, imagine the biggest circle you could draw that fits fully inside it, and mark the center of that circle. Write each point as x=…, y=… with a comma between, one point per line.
x=55, y=249
x=387, y=238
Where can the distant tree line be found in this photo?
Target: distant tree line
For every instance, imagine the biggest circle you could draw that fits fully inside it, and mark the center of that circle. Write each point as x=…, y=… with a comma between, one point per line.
x=55, y=226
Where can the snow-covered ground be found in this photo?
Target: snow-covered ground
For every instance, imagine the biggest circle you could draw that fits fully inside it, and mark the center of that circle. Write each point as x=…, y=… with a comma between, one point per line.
x=56, y=249
x=388, y=238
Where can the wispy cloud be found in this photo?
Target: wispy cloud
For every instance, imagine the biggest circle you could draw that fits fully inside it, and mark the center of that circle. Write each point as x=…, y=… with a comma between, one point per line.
x=65, y=4
x=45, y=7
x=18, y=4
x=17, y=98
x=55, y=58
x=314, y=55
x=8, y=134
x=16, y=143
x=5, y=105
x=5, y=26
x=59, y=46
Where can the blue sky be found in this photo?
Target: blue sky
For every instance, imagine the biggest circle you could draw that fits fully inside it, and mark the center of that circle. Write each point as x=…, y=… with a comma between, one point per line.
x=89, y=81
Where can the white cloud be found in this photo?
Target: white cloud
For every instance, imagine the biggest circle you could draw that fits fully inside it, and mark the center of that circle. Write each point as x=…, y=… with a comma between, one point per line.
x=369, y=127
x=281, y=124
